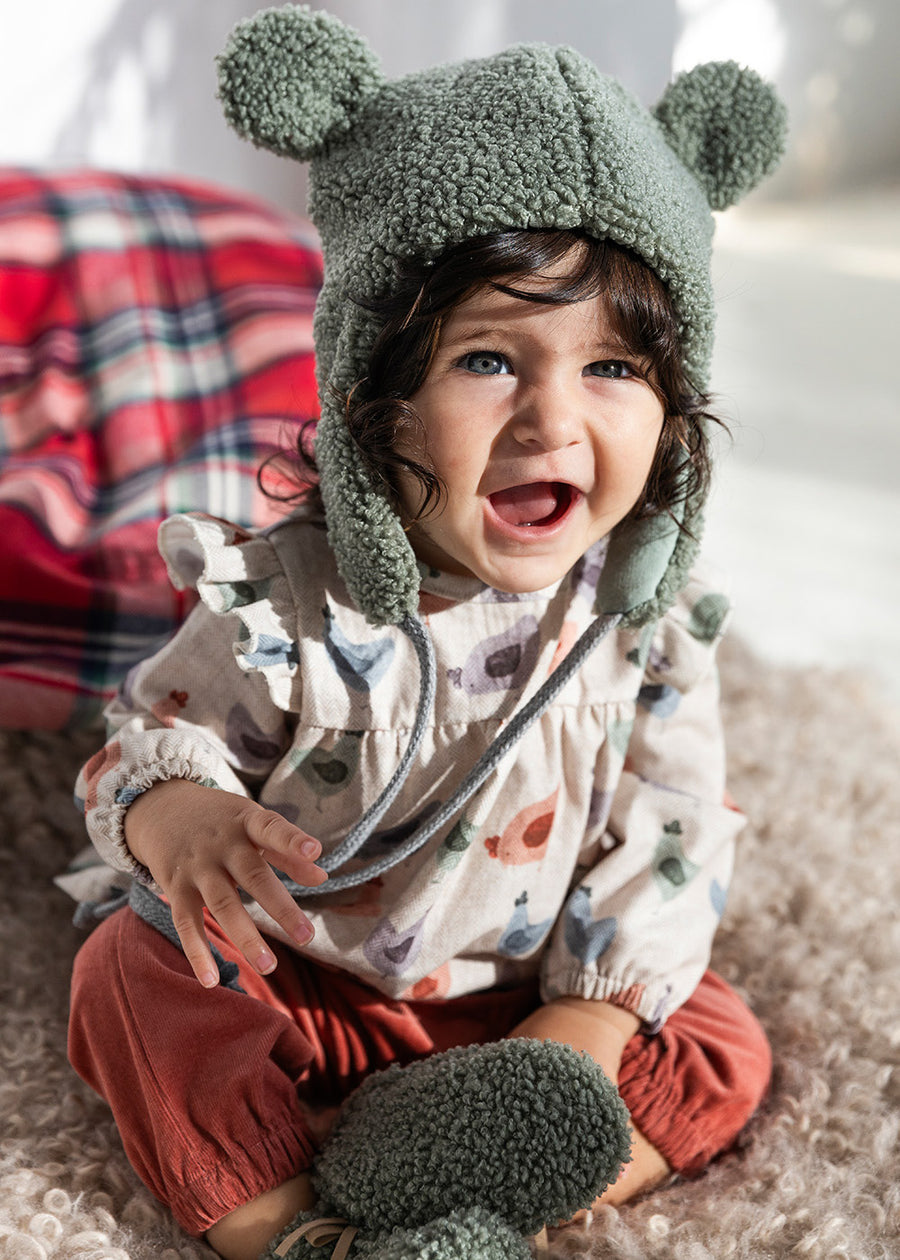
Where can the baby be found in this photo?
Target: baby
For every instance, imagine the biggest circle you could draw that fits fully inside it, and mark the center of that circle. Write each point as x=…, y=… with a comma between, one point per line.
x=438, y=761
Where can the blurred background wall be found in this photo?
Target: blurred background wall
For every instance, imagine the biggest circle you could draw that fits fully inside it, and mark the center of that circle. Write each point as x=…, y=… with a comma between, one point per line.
x=807, y=508
x=130, y=84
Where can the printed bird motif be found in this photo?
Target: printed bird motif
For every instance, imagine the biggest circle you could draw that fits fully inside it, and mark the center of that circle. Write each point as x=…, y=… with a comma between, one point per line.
x=527, y=836
x=658, y=661
x=501, y=662
x=248, y=741
x=328, y=769
x=718, y=895
x=707, y=617
x=236, y=536
x=450, y=854
x=672, y=869
x=240, y=594
x=657, y=1017
x=638, y=655
x=520, y=936
x=128, y=795
x=383, y=842
x=392, y=951
x=586, y=572
x=361, y=665
x=106, y=759
x=619, y=734
x=167, y=709
x=567, y=637
x=659, y=699
x=188, y=565
x=587, y=938
x=730, y=803
x=600, y=806
x=435, y=985
x=270, y=650
x=490, y=595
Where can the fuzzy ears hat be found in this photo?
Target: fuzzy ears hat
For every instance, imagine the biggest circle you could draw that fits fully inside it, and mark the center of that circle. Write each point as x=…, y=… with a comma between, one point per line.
x=534, y=137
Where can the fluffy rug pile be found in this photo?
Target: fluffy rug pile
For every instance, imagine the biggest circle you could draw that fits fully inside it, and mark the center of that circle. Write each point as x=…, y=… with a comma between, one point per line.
x=811, y=936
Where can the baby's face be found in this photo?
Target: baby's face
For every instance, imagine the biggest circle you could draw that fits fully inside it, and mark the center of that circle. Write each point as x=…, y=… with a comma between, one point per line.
x=543, y=433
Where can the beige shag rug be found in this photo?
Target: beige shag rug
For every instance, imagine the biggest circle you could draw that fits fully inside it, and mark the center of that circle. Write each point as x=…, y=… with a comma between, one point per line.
x=811, y=936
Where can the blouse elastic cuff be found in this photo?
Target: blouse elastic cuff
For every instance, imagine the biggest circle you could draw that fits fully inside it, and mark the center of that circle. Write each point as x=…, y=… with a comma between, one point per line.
x=652, y=1001
x=106, y=822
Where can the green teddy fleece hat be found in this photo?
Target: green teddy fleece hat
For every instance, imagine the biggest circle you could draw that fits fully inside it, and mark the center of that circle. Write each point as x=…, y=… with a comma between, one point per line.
x=534, y=137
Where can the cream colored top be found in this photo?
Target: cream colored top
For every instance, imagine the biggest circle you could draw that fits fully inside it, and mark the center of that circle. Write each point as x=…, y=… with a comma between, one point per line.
x=597, y=854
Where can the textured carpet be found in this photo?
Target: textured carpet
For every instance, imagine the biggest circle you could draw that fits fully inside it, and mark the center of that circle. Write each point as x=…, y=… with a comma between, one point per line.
x=811, y=936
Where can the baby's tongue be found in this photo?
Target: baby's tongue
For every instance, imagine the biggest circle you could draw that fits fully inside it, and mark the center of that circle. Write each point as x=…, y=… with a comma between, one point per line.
x=523, y=505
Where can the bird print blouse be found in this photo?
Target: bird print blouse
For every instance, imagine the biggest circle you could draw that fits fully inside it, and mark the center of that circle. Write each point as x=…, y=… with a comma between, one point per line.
x=597, y=854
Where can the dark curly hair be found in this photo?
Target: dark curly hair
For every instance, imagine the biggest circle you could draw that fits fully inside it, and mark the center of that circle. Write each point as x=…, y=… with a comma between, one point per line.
x=641, y=316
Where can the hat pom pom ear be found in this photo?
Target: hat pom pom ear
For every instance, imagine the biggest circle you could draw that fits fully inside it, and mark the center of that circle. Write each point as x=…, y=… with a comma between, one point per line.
x=291, y=79
x=728, y=127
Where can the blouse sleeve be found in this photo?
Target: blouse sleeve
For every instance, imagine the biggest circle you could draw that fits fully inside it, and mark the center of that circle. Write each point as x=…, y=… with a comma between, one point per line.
x=638, y=924
x=215, y=704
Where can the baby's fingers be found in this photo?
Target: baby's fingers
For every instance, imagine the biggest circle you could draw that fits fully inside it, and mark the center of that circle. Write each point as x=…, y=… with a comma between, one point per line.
x=224, y=904
x=286, y=846
x=255, y=876
x=187, y=917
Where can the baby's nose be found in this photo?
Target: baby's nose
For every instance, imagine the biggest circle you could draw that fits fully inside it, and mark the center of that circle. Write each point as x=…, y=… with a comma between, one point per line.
x=546, y=419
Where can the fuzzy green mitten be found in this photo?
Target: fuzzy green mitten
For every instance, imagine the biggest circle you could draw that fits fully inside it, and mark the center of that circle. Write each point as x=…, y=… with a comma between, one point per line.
x=462, y=1155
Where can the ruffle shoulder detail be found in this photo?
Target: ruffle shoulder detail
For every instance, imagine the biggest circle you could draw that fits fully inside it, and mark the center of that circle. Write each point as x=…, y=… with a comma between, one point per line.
x=238, y=572
x=683, y=647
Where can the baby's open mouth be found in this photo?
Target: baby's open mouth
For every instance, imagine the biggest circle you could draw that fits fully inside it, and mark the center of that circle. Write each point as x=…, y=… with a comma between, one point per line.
x=538, y=503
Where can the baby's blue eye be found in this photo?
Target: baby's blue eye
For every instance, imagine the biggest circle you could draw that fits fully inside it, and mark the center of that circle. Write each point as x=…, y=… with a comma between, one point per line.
x=611, y=369
x=484, y=363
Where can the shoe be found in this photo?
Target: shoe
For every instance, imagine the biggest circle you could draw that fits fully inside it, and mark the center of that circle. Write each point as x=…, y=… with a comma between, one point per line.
x=469, y=1234
x=463, y=1156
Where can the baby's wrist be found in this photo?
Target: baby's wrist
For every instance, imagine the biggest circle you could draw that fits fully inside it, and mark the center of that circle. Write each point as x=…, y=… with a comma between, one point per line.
x=139, y=817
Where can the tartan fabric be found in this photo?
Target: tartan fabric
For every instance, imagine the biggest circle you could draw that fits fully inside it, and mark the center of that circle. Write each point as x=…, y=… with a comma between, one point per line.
x=155, y=346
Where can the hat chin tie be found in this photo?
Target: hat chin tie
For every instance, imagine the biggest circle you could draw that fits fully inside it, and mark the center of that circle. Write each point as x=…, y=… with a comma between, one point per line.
x=319, y=1233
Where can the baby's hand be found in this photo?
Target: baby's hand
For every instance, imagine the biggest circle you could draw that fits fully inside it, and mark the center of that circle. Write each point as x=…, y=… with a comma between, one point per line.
x=201, y=845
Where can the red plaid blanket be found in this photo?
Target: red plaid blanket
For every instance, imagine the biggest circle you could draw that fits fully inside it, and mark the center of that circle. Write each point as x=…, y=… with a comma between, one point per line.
x=155, y=345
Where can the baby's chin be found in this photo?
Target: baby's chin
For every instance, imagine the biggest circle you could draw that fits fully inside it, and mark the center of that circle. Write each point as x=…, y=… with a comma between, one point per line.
x=525, y=577
x=533, y=587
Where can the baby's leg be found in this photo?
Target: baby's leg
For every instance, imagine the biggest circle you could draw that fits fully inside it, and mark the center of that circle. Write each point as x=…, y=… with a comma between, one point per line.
x=202, y=1083
x=692, y=1088
x=244, y=1233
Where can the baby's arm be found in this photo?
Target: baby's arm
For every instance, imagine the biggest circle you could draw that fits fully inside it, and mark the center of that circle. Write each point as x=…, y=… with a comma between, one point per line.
x=193, y=740
x=638, y=925
x=201, y=845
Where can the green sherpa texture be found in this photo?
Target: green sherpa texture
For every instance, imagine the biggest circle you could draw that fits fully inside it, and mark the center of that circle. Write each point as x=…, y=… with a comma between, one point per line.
x=534, y=137
x=299, y=108
x=470, y=1234
x=528, y=1131
x=722, y=127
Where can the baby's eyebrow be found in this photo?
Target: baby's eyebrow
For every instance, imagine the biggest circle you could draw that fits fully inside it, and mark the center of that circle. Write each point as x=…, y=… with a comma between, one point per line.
x=610, y=350
x=486, y=333
x=488, y=336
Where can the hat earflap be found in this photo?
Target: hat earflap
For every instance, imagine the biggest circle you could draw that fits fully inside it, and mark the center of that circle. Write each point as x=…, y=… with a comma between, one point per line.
x=726, y=125
x=291, y=79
